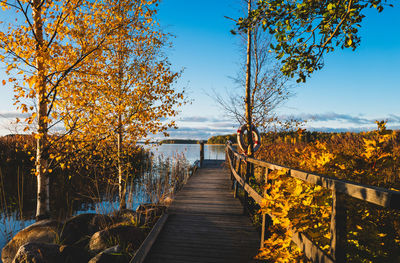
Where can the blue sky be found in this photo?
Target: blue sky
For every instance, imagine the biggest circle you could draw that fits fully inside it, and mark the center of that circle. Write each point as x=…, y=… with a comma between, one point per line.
x=349, y=93
x=354, y=89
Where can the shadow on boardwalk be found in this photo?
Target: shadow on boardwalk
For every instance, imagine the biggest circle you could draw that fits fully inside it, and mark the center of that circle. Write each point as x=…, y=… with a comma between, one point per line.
x=205, y=223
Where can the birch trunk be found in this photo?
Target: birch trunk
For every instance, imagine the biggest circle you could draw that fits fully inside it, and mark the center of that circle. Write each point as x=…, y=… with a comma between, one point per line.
x=43, y=185
x=121, y=182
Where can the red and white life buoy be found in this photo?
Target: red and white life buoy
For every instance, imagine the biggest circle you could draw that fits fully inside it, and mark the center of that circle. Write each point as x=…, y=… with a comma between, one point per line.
x=256, y=138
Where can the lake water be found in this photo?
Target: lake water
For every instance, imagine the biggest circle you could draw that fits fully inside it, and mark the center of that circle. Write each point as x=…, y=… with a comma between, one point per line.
x=11, y=221
x=190, y=151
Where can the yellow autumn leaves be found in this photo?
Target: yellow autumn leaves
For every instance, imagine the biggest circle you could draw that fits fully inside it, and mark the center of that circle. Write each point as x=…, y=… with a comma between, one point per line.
x=101, y=60
x=293, y=206
x=95, y=72
x=368, y=158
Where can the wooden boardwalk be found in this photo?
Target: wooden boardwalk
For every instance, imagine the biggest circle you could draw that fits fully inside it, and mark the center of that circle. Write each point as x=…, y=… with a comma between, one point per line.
x=205, y=223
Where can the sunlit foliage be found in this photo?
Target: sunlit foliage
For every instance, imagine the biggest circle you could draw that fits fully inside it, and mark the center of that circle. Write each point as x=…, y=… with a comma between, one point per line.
x=370, y=158
x=94, y=68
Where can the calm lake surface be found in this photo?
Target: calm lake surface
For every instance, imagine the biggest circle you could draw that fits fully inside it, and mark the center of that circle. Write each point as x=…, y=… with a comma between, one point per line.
x=190, y=151
x=139, y=191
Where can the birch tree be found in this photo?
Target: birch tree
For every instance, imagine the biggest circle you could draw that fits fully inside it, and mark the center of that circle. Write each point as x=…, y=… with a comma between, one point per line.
x=42, y=47
x=131, y=95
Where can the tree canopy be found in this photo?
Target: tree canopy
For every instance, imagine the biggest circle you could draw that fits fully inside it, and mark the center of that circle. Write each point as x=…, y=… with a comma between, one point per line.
x=95, y=66
x=306, y=30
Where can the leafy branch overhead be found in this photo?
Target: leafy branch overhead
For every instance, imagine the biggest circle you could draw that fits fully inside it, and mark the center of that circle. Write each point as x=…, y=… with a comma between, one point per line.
x=306, y=30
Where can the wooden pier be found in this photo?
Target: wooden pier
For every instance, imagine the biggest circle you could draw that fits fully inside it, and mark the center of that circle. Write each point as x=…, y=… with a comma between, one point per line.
x=205, y=223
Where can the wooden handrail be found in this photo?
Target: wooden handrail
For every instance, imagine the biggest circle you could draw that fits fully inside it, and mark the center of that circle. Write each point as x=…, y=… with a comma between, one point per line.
x=340, y=188
x=310, y=249
x=253, y=194
x=372, y=194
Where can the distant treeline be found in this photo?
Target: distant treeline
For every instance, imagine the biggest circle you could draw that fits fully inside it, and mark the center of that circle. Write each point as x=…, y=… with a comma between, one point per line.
x=179, y=141
x=221, y=139
x=301, y=135
x=288, y=136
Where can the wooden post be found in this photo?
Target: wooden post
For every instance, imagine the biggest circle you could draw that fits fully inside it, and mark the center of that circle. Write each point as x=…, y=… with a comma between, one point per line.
x=338, y=227
x=234, y=168
x=235, y=194
x=246, y=179
x=201, y=153
x=230, y=165
x=263, y=215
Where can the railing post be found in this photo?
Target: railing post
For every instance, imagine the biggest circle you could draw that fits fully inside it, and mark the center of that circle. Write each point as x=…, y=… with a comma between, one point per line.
x=201, y=153
x=249, y=172
x=263, y=214
x=234, y=168
x=235, y=193
x=338, y=227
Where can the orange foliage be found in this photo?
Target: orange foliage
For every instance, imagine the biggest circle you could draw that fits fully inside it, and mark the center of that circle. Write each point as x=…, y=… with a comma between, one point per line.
x=368, y=158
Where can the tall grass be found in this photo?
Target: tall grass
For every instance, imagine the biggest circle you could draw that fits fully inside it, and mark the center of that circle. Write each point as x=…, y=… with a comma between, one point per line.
x=84, y=186
x=11, y=210
x=164, y=177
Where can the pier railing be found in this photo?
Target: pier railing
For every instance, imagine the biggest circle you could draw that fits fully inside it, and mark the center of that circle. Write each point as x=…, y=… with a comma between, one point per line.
x=341, y=189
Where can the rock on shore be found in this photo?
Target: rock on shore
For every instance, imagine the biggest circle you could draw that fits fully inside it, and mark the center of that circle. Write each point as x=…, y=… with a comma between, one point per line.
x=83, y=238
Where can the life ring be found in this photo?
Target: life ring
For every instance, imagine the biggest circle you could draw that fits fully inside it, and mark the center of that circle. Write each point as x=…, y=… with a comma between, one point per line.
x=256, y=138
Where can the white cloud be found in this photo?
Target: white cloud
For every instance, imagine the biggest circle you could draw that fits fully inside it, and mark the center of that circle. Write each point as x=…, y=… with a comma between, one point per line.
x=337, y=122
x=13, y=115
x=199, y=127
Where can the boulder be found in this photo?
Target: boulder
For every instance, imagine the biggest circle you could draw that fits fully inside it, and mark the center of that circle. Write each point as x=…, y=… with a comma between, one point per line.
x=129, y=237
x=44, y=231
x=99, y=222
x=74, y=254
x=38, y=253
x=111, y=255
x=79, y=228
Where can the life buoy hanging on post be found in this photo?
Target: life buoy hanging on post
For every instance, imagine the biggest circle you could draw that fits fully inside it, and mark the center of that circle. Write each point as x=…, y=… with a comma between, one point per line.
x=241, y=140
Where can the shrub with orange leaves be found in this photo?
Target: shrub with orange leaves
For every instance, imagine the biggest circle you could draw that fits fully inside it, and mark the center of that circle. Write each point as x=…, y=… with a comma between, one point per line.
x=368, y=158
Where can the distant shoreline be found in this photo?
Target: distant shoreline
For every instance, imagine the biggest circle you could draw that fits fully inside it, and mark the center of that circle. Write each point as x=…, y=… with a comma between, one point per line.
x=179, y=141
x=184, y=143
x=191, y=143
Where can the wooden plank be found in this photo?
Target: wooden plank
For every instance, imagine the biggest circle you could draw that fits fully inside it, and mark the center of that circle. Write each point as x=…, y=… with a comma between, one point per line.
x=205, y=223
x=163, y=258
x=221, y=234
x=202, y=253
x=144, y=249
x=199, y=244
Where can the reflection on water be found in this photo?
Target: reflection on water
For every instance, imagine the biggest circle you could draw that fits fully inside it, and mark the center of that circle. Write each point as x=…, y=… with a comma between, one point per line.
x=149, y=187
